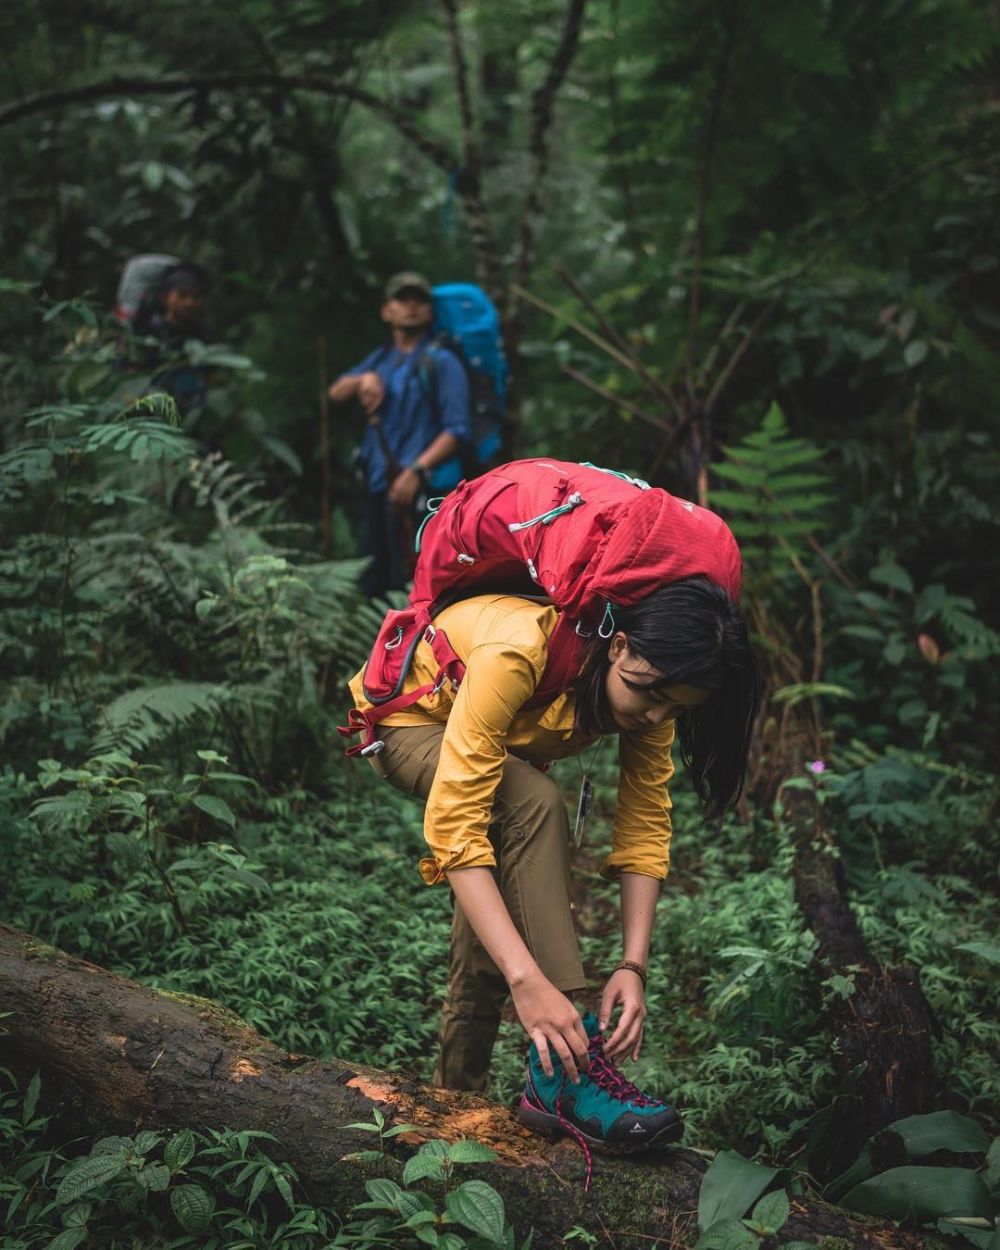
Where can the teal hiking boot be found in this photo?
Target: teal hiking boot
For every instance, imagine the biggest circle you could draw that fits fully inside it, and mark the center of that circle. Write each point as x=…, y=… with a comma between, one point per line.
x=604, y=1111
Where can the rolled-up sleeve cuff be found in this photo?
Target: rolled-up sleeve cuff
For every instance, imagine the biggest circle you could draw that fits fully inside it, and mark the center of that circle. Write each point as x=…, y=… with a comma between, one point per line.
x=627, y=861
x=468, y=855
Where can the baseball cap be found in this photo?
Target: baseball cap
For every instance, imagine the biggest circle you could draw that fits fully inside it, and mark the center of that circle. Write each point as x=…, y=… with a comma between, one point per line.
x=407, y=280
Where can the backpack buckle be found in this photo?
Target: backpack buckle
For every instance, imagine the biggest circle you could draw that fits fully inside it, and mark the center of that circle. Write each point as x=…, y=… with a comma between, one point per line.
x=430, y=633
x=372, y=748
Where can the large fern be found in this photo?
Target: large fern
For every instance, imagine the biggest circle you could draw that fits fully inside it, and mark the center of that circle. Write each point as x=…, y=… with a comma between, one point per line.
x=778, y=495
x=139, y=718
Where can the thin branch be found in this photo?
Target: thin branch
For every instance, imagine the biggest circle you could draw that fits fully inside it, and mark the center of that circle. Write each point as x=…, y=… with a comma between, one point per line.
x=470, y=174
x=612, y=398
x=584, y=331
x=461, y=79
x=668, y=444
x=704, y=187
x=120, y=85
x=542, y=105
x=653, y=384
x=779, y=283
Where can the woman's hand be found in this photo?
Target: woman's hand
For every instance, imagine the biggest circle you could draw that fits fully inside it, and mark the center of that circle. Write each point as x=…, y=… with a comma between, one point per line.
x=624, y=987
x=551, y=1021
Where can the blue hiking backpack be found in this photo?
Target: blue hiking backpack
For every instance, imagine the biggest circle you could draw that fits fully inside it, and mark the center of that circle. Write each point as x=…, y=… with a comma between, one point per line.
x=467, y=325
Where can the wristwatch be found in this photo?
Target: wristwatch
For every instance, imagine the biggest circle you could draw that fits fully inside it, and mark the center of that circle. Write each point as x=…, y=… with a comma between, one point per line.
x=419, y=470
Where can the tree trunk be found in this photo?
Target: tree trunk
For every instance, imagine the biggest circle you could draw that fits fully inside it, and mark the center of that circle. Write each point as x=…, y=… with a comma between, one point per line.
x=883, y=1026
x=134, y=1056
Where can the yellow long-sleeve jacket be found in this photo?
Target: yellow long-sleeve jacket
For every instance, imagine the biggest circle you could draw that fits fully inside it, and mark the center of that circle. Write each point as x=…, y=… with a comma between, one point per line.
x=503, y=642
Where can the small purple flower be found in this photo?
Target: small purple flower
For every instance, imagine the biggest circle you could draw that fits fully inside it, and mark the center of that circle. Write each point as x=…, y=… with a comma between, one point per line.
x=816, y=767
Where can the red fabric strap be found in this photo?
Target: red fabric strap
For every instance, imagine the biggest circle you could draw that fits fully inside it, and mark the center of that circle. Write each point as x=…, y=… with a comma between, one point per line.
x=450, y=668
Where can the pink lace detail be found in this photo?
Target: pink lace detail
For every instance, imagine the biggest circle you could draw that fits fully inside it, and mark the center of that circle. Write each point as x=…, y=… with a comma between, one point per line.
x=604, y=1074
x=581, y=1140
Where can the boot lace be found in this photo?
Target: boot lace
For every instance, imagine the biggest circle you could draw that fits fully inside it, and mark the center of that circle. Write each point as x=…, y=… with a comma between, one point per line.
x=609, y=1078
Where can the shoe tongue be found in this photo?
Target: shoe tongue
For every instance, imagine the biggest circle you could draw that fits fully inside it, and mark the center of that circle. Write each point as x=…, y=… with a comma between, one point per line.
x=591, y=1025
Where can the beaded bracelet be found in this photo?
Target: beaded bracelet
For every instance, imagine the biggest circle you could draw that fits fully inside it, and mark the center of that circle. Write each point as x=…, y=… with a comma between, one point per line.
x=631, y=966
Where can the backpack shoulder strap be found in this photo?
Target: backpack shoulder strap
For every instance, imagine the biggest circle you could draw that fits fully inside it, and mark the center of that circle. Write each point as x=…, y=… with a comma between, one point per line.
x=427, y=369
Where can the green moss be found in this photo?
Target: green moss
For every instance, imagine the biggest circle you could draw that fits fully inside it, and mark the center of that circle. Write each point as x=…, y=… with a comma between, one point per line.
x=220, y=1016
x=42, y=950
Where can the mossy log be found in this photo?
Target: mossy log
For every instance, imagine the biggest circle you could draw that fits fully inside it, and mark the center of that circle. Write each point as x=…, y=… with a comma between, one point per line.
x=132, y=1057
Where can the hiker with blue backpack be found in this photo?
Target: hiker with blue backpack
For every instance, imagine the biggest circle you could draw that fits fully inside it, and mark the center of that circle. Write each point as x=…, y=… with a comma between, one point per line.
x=433, y=398
x=556, y=606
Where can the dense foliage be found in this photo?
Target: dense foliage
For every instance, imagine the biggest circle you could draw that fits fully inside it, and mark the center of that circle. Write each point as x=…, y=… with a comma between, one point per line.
x=777, y=225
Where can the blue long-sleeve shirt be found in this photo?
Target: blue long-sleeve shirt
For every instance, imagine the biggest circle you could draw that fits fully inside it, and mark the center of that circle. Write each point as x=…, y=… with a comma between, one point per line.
x=410, y=419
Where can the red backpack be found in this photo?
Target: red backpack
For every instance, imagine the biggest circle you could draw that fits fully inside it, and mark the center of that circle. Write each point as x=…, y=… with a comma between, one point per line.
x=586, y=538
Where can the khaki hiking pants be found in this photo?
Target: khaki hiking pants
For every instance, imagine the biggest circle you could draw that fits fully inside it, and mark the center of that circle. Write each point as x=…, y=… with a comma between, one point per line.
x=530, y=838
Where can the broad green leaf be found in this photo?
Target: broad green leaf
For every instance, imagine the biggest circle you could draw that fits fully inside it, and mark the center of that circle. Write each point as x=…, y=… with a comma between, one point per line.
x=478, y=1207
x=419, y=1218
x=893, y=575
x=400, y=1128
x=145, y=1142
x=859, y=1171
x=68, y=1239
x=87, y=1174
x=155, y=1177
x=420, y=1166
x=413, y=1202
x=985, y=950
x=451, y=1241
x=179, y=1151
x=940, y=1130
x=920, y=1194
x=991, y=1173
x=729, y=1187
x=470, y=1152
x=987, y=1238
x=217, y=808
x=361, y=1156
x=915, y=353
x=772, y=1211
x=283, y=1186
x=728, y=1235
x=384, y=1192
x=193, y=1207
x=31, y=1097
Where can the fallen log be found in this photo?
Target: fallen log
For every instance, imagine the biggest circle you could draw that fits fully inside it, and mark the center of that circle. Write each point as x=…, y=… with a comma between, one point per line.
x=134, y=1057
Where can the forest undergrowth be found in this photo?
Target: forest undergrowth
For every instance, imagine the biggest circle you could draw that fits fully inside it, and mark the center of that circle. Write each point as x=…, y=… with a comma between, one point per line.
x=175, y=806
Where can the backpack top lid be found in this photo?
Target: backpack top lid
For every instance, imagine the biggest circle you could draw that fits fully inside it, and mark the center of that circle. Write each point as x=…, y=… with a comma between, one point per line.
x=140, y=277
x=465, y=314
x=585, y=536
x=661, y=539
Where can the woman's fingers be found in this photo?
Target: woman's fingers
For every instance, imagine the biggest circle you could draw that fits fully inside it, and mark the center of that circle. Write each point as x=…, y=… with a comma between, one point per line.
x=609, y=998
x=582, y=1043
x=542, y=1046
x=628, y=1034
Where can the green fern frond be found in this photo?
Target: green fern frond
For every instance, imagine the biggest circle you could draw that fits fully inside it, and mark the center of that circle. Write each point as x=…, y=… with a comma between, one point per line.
x=26, y=465
x=775, y=494
x=143, y=440
x=139, y=718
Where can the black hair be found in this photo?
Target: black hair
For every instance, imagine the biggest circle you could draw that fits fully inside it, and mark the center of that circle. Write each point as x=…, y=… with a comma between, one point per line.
x=186, y=273
x=692, y=633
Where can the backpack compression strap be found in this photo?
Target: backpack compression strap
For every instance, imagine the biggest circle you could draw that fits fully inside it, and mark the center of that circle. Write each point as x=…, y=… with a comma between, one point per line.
x=450, y=668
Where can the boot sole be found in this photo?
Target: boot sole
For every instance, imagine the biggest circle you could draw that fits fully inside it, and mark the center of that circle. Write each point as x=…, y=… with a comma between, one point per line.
x=549, y=1126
